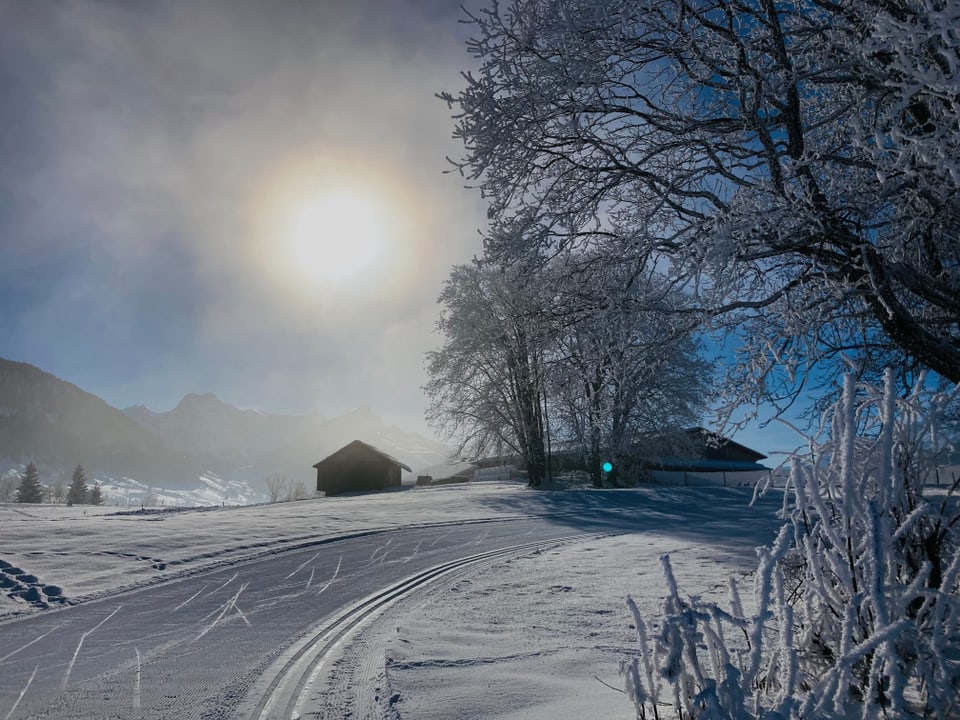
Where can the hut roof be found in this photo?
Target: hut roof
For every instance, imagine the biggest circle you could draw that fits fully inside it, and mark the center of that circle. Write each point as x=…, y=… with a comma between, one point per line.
x=359, y=444
x=716, y=440
x=704, y=464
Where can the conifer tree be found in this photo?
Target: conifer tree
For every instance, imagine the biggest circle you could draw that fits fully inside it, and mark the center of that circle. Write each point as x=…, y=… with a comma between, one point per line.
x=96, y=495
x=30, y=490
x=77, y=494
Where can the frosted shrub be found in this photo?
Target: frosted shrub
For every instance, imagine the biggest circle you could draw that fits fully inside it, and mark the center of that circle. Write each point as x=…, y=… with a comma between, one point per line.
x=857, y=601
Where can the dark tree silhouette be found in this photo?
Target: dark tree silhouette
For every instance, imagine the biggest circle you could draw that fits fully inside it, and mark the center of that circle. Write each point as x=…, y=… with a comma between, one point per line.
x=30, y=490
x=77, y=494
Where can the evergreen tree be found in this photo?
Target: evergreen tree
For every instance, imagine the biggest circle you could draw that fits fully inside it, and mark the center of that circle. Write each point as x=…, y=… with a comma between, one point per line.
x=30, y=490
x=77, y=494
x=96, y=495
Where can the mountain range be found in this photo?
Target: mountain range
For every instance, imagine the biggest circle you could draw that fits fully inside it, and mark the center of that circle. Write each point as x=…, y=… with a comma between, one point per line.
x=57, y=425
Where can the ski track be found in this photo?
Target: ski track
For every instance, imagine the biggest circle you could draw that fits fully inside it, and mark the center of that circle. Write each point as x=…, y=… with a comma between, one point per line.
x=24, y=647
x=413, y=554
x=76, y=652
x=302, y=565
x=224, y=609
x=136, y=683
x=441, y=538
x=192, y=597
x=22, y=693
x=332, y=577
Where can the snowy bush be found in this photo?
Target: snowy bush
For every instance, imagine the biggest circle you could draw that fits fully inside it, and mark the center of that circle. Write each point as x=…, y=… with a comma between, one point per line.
x=857, y=604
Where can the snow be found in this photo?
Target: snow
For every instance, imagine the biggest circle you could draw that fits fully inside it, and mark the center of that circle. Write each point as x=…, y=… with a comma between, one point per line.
x=542, y=635
x=92, y=552
x=538, y=635
x=211, y=490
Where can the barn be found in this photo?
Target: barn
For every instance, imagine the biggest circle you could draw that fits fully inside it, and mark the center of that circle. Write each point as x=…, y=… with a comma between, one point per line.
x=358, y=467
x=710, y=459
x=715, y=448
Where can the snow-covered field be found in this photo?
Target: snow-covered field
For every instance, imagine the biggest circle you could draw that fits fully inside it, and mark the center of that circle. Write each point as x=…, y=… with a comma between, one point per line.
x=91, y=552
x=537, y=636
x=541, y=636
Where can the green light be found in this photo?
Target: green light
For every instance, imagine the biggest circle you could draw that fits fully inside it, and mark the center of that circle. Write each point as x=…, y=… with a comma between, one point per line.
x=607, y=466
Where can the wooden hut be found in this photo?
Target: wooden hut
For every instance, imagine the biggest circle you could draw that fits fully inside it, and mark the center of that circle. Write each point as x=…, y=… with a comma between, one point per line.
x=358, y=467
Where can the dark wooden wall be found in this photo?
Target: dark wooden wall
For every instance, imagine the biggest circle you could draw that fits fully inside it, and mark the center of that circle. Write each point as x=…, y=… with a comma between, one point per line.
x=357, y=472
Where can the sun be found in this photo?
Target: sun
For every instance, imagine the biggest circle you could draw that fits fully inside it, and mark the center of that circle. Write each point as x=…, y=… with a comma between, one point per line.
x=339, y=236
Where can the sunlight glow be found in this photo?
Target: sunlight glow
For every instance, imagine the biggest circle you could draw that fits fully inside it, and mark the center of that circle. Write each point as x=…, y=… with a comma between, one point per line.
x=338, y=236
x=330, y=242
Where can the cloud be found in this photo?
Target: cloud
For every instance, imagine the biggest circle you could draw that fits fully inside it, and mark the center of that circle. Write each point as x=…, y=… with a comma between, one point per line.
x=150, y=146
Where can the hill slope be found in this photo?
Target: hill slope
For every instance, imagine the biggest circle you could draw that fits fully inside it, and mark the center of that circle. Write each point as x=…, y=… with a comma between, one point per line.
x=56, y=424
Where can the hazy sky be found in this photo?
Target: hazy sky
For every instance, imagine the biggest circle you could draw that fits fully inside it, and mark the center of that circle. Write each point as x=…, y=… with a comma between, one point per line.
x=160, y=162
x=187, y=188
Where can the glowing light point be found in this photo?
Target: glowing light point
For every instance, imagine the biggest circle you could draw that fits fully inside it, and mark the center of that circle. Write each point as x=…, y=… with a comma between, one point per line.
x=338, y=237
x=607, y=466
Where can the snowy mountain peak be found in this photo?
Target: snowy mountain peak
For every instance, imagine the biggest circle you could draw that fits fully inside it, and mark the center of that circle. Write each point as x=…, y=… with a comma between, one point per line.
x=194, y=401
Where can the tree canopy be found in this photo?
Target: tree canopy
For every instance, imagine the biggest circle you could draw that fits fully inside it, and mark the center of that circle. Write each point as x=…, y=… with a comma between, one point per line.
x=532, y=363
x=794, y=165
x=486, y=381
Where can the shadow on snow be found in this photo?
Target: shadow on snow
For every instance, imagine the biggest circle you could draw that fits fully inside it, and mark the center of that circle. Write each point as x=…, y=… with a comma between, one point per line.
x=719, y=518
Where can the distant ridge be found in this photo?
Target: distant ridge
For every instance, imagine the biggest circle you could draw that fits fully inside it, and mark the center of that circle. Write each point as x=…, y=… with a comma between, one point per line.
x=224, y=438
x=54, y=423
x=57, y=425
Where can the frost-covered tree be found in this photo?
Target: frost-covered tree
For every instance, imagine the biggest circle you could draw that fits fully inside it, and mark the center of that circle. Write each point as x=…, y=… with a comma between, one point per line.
x=584, y=353
x=856, y=603
x=96, y=495
x=795, y=165
x=277, y=484
x=8, y=485
x=77, y=493
x=298, y=491
x=29, y=489
x=58, y=490
x=624, y=371
x=486, y=381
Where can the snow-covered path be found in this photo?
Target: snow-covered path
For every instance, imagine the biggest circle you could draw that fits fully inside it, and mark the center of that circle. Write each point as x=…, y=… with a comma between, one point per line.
x=534, y=629
x=535, y=636
x=95, y=552
x=193, y=648
x=90, y=553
